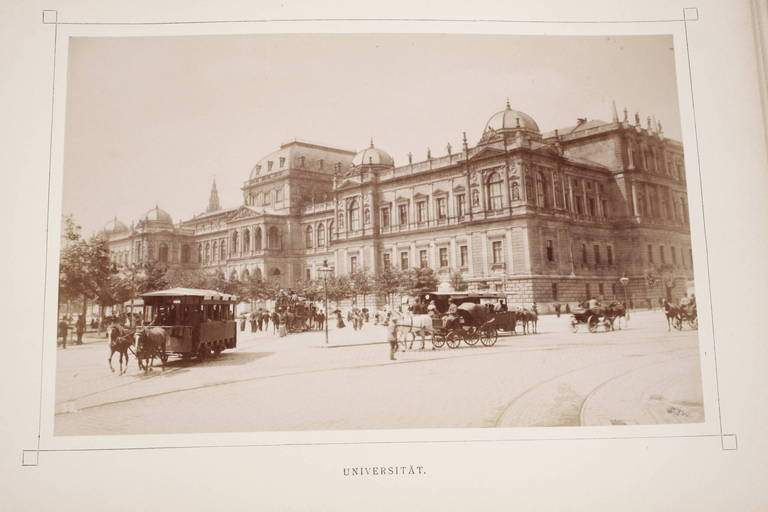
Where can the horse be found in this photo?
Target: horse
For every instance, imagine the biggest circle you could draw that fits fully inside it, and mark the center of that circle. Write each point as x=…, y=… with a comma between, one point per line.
x=614, y=311
x=530, y=321
x=150, y=342
x=120, y=341
x=673, y=314
x=414, y=325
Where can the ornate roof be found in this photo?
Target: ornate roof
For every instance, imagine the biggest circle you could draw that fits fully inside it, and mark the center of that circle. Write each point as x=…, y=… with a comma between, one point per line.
x=158, y=216
x=115, y=226
x=509, y=119
x=373, y=156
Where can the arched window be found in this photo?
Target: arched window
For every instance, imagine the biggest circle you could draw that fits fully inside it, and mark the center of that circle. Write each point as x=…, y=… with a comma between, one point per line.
x=515, y=191
x=215, y=251
x=495, y=199
x=330, y=231
x=257, y=239
x=275, y=275
x=308, y=237
x=320, y=235
x=162, y=253
x=354, y=215
x=246, y=240
x=257, y=273
x=259, y=201
x=541, y=196
x=233, y=275
x=530, y=195
x=185, y=253
x=233, y=248
x=273, y=238
x=223, y=250
x=246, y=275
x=207, y=253
x=341, y=221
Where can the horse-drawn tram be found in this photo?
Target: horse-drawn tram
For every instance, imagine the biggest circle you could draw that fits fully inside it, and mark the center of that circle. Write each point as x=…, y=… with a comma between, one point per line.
x=191, y=322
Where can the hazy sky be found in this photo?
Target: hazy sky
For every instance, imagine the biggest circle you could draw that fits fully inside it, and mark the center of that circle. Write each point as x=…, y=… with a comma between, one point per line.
x=152, y=120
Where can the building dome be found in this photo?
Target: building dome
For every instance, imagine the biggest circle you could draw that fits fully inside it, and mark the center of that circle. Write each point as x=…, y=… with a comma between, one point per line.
x=373, y=156
x=156, y=215
x=114, y=227
x=509, y=119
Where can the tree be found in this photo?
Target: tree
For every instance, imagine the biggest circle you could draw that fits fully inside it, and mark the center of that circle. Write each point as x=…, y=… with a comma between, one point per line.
x=362, y=283
x=420, y=281
x=457, y=281
x=187, y=278
x=86, y=271
x=389, y=282
x=339, y=288
x=152, y=277
x=256, y=288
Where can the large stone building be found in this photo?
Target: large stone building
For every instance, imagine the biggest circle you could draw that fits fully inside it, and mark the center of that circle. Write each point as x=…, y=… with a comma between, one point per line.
x=547, y=217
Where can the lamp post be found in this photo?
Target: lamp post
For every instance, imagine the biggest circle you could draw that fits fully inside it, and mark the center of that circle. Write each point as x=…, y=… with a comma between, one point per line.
x=624, y=280
x=325, y=269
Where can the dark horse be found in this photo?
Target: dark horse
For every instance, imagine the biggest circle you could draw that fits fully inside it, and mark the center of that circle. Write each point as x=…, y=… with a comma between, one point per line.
x=673, y=314
x=120, y=341
x=614, y=311
x=150, y=343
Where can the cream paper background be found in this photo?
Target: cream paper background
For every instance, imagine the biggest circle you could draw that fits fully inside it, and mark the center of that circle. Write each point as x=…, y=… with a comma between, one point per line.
x=666, y=467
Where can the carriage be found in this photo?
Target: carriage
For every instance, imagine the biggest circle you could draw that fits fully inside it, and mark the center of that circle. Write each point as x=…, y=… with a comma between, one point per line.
x=196, y=322
x=472, y=323
x=686, y=315
x=594, y=318
x=295, y=312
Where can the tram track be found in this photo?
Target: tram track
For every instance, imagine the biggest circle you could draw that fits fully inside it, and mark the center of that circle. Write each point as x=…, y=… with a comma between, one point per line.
x=505, y=411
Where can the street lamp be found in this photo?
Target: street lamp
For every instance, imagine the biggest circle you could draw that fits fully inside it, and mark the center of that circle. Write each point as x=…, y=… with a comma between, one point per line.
x=325, y=269
x=624, y=280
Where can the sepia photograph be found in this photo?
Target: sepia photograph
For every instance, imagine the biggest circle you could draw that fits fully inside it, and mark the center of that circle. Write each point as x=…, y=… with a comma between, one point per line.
x=321, y=232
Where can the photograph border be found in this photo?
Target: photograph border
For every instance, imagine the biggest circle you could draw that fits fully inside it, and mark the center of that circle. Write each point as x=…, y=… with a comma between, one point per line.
x=689, y=14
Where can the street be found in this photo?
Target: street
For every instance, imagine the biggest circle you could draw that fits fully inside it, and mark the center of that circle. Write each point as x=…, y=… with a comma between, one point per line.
x=640, y=375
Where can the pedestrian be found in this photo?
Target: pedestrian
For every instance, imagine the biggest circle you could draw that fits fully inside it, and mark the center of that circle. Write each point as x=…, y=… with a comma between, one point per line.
x=557, y=309
x=265, y=320
x=275, y=321
x=80, y=328
x=282, y=330
x=392, y=337
x=339, y=320
x=535, y=308
x=567, y=309
x=252, y=320
x=63, y=329
x=243, y=318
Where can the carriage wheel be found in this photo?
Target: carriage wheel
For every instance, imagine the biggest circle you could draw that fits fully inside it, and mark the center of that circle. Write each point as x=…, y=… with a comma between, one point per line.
x=453, y=340
x=217, y=349
x=488, y=336
x=164, y=357
x=677, y=323
x=693, y=322
x=472, y=337
x=608, y=324
x=575, y=326
x=592, y=323
x=438, y=340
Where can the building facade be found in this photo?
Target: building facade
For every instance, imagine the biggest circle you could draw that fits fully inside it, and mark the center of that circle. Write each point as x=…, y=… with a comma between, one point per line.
x=546, y=217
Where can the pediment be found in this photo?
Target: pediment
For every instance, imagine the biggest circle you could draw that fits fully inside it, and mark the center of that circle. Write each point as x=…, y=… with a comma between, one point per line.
x=244, y=212
x=347, y=184
x=487, y=152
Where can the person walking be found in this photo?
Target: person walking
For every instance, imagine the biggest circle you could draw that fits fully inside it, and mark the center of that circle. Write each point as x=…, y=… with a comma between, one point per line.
x=392, y=336
x=63, y=330
x=252, y=321
x=80, y=328
x=275, y=321
x=557, y=309
x=265, y=320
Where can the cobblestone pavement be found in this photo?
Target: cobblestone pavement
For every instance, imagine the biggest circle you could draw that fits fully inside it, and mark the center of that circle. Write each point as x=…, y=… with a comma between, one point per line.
x=639, y=375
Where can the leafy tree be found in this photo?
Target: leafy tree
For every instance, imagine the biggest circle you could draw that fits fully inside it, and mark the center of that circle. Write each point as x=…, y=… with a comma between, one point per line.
x=457, y=281
x=86, y=271
x=420, y=281
x=362, y=283
x=257, y=288
x=389, y=282
x=339, y=288
x=187, y=278
x=152, y=277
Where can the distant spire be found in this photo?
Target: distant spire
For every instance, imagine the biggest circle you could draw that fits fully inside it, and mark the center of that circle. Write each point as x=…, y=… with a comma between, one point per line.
x=213, y=199
x=464, y=143
x=615, y=112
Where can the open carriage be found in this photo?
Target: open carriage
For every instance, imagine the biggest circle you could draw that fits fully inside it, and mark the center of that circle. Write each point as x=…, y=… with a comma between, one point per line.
x=606, y=317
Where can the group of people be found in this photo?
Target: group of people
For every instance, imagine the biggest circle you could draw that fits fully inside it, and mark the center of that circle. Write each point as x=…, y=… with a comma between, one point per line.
x=64, y=327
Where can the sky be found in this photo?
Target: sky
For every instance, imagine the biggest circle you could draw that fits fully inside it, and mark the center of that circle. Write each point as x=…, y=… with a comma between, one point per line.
x=152, y=120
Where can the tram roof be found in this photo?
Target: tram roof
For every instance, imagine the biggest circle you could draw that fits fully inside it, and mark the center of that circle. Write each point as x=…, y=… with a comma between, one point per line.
x=191, y=292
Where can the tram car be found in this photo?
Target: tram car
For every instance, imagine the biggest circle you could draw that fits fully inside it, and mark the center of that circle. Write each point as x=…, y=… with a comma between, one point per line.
x=196, y=322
